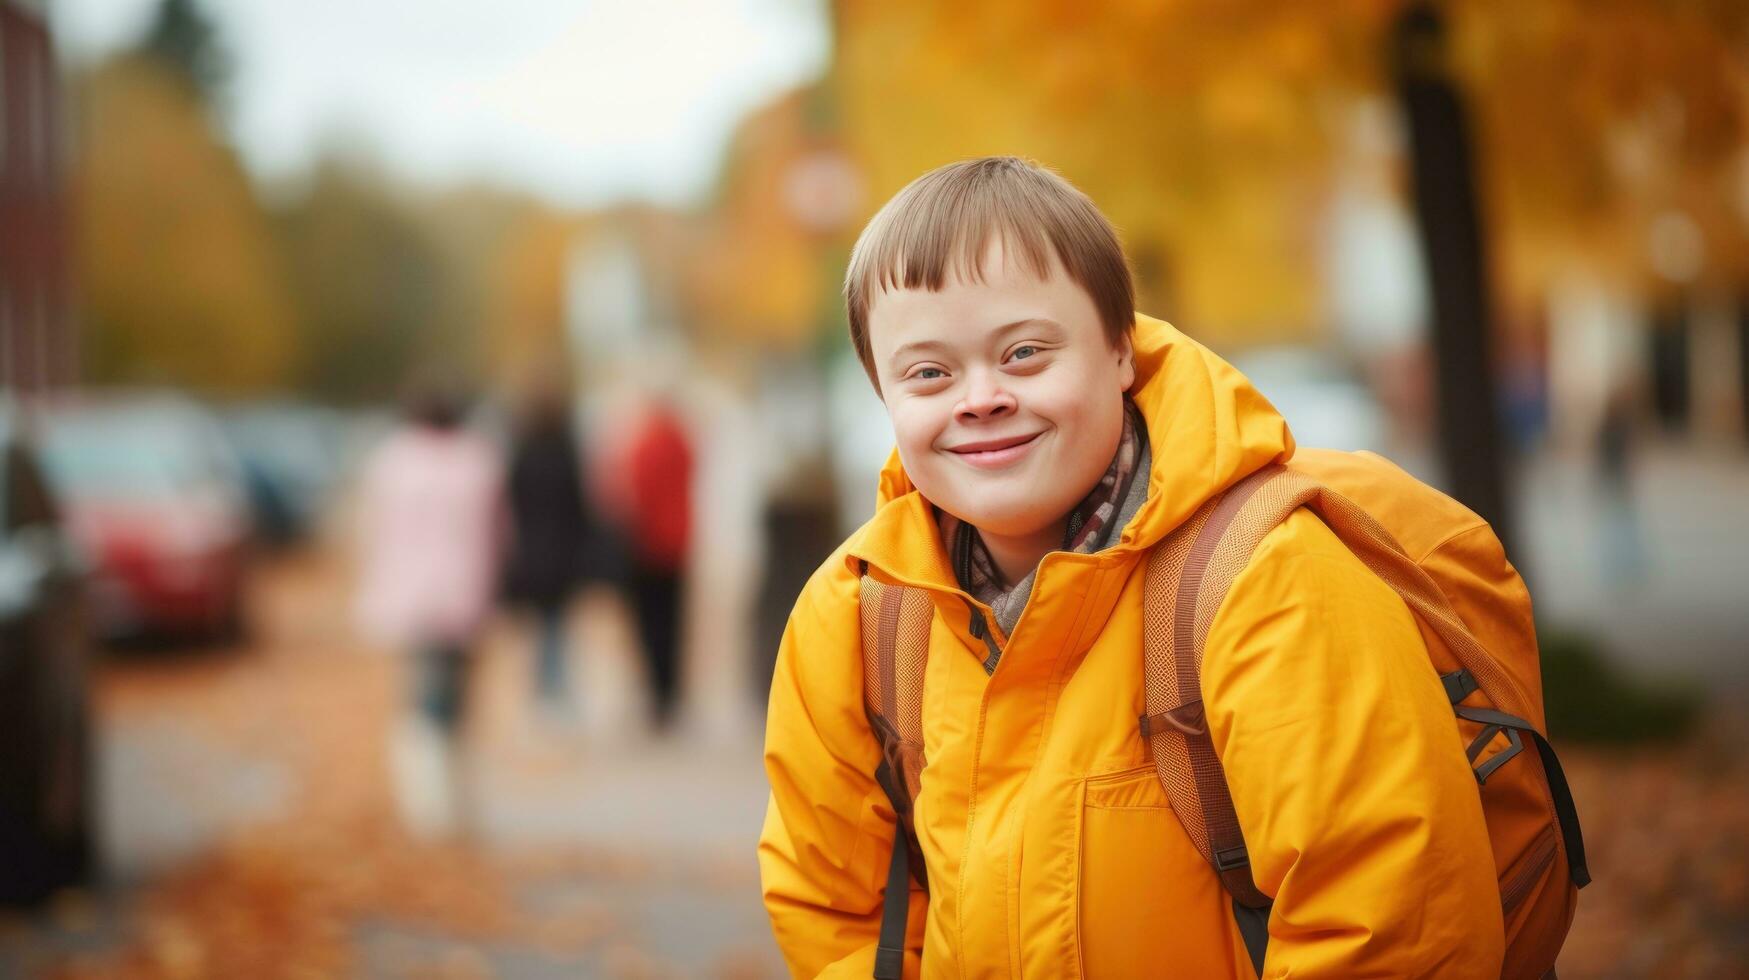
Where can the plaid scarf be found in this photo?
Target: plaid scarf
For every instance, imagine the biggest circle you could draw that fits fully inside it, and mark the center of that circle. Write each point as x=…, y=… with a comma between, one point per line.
x=1094, y=523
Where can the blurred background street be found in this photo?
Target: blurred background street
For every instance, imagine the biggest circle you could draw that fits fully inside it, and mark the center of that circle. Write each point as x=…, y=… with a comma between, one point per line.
x=417, y=418
x=250, y=832
x=248, y=829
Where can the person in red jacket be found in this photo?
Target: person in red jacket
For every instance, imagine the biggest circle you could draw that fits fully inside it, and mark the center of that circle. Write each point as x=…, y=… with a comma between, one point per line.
x=658, y=477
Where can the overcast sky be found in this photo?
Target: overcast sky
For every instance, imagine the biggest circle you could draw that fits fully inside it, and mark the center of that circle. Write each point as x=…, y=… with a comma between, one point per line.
x=583, y=102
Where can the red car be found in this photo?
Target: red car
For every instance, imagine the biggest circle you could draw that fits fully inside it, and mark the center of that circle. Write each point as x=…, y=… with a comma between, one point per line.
x=155, y=496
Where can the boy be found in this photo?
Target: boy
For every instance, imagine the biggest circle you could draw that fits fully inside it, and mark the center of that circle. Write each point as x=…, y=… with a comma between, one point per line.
x=1047, y=439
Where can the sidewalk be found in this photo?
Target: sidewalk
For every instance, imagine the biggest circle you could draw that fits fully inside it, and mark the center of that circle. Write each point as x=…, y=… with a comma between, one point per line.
x=1686, y=611
x=250, y=830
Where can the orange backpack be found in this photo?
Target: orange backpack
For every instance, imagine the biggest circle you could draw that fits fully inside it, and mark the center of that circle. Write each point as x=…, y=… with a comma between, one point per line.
x=1448, y=567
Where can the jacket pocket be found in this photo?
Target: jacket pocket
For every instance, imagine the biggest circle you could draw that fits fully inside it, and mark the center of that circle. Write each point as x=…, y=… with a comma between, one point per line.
x=1146, y=904
x=1531, y=867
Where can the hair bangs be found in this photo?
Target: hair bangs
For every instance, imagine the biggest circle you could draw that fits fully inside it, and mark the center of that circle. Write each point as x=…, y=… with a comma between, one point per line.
x=943, y=224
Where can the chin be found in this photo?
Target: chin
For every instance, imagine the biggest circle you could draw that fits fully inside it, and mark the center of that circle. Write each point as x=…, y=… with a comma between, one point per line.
x=1019, y=519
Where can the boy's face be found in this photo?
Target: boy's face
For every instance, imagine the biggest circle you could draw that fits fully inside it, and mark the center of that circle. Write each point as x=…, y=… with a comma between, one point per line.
x=1005, y=397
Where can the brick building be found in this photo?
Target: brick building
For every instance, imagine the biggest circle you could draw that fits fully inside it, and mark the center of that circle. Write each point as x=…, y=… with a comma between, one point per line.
x=38, y=347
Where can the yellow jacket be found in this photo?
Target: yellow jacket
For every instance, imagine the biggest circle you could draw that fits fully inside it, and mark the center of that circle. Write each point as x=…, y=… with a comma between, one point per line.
x=1050, y=846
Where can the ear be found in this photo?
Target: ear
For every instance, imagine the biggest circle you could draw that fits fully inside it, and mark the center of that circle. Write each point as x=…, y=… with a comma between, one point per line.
x=1126, y=355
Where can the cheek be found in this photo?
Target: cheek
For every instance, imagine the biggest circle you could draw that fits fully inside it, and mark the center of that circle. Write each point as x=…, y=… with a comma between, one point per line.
x=1087, y=400
x=1067, y=407
x=1092, y=427
x=915, y=429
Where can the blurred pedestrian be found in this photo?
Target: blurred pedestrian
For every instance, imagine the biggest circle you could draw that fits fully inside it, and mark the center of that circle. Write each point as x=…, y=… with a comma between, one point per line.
x=430, y=529
x=1624, y=550
x=555, y=540
x=658, y=479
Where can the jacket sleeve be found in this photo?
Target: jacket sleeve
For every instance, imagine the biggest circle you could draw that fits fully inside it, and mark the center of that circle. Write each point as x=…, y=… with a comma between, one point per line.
x=828, y=828
x=1347, y=771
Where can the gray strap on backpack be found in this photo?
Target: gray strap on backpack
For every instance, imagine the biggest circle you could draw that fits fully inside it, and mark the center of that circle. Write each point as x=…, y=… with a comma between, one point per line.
x=1254, y=929
x=1566, y=814
x=895, y=911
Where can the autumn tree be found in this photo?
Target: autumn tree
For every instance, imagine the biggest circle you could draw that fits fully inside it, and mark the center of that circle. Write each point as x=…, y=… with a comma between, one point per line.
x=376, y=298
x=1205, y=130
x=1199, y=128
x=764, y=274
x=1596, y=117
x=183, y=39
x=175, y=260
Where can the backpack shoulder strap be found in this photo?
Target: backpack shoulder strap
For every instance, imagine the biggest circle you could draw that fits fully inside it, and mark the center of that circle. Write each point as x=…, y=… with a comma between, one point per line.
x=1378, y=549
x=1187, y=575
x=895, y=649
x=1510, y=705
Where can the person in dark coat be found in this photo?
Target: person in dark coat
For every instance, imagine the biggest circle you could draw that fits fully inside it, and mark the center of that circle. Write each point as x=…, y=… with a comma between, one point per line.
x=552, y=533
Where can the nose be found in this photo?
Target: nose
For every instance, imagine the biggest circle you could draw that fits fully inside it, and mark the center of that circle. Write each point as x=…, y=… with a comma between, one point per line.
x=985, y=398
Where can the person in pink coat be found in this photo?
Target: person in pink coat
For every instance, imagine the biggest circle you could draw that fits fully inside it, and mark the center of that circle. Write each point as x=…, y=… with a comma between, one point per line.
x=431, y=525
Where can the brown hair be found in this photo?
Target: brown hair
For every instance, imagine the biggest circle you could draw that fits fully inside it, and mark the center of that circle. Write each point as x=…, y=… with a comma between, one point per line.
x=943, y=221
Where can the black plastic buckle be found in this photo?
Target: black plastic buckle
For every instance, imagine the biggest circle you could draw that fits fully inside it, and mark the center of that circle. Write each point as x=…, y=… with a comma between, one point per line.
x=1459, y=684
x=1231, y=858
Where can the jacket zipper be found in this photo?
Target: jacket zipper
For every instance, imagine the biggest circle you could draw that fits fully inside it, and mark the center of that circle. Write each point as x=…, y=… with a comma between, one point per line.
x=1516, y=888
x=981, y=630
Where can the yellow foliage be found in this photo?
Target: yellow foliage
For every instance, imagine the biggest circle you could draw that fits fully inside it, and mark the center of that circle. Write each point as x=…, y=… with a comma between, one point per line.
x=1595, y=117
x=1200, y=128
x=1194, y=126
x=176, y=265
x=760, y=275
x=525, y=293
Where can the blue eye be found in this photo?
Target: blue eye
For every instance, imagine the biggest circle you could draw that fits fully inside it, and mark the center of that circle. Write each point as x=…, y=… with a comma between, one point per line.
x=930, y=374
x=1024, y=350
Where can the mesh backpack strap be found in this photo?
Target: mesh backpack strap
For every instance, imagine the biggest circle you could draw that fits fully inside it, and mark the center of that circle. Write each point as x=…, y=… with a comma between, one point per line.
x=1175, y=726
x=1189, y=576
x=895, y=649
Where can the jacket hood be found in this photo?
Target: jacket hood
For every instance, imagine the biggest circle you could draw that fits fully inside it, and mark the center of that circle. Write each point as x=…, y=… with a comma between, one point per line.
x=1208, y=428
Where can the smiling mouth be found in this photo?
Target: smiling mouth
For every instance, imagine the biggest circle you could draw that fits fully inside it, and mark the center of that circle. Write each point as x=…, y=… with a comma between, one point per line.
x=995, y=452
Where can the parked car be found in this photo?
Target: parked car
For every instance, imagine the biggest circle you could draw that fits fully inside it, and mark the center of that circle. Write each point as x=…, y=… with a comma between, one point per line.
x=292, y=455
x=156, y=496
x=45, y=743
